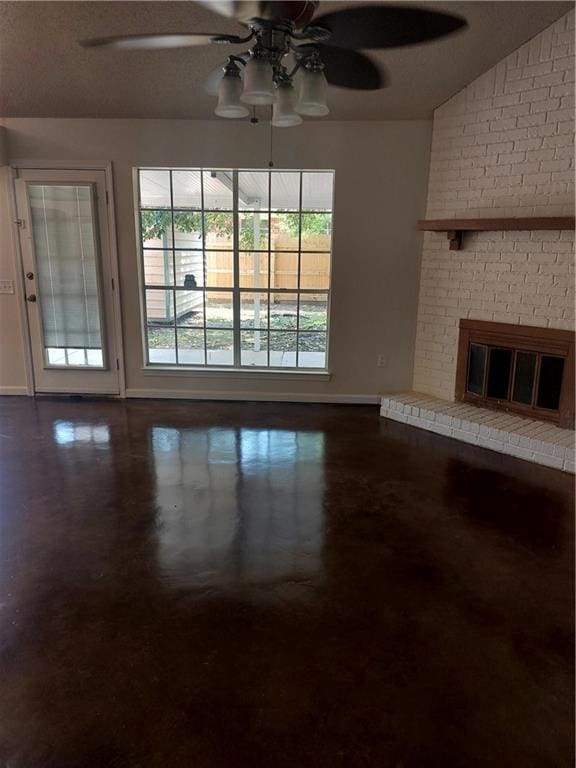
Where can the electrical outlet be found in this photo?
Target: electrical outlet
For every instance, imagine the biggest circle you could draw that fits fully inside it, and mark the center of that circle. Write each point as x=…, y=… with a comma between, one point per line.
x=381, y=361
x=6, y=286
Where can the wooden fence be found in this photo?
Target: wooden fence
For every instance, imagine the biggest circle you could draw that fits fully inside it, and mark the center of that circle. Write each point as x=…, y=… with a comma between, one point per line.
x=254, y=269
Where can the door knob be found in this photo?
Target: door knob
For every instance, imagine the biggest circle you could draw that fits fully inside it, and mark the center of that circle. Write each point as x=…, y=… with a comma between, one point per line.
x=31, y=298
x=30, y=275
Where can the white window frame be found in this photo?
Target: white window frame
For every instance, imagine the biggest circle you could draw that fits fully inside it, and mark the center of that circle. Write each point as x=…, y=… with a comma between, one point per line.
x=237, y=367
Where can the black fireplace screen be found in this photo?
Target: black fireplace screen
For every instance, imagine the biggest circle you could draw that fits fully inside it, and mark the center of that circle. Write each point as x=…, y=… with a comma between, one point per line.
x=527, y=378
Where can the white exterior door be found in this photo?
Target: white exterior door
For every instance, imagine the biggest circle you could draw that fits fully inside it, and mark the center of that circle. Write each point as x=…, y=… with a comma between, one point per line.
x=64, y=239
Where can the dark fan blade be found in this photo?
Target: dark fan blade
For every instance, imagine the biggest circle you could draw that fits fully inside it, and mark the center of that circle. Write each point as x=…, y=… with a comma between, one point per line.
x=212, y=82
x=348, y=69
x=386, y=26
x=179, y=40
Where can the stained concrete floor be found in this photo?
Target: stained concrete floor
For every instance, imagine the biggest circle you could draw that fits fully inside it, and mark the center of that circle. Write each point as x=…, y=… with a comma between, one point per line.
x=219, y=585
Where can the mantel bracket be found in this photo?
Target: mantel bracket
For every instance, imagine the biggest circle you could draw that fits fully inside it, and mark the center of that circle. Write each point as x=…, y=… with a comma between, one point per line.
x=455, y=239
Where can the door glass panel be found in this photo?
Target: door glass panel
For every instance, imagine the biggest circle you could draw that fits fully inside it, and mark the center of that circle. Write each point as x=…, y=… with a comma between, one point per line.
x=64, y=236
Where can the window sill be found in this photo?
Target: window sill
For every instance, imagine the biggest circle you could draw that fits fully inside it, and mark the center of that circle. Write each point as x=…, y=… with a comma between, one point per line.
x=236, y=373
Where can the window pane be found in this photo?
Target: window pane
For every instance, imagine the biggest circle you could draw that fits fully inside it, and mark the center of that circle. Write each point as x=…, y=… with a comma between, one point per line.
x=56, y=356
x=218, y=187
x=550, y=383
x=312, y=350
x=524, y=377
x=161, y=345
x=95, y=358
x=254, y=349
x=284, y=228
x=282, y=349
x=253, y=190
x=219, y=231
x=476, y=368
x=253, y=270
x=189, y=269
x=187, y=230
x=499, y=368
x=315, y=270
x=219, y=312
x=187, y=189
x=155, y=189
x=191, y=347
x=156, y=228
x=220, y=347
x=190, y=308
x=285, y=190
x=317, y=191
x=313, y=314
x=284, y=270
x=219, y=269
x=76, y=357
x=254, y=310
x=253, y=231
x=159, y=307
x=316, y=231
x=283, y=310
x=158, y=267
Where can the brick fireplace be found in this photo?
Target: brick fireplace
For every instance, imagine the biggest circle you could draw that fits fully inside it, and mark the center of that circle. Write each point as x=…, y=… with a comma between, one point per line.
x=502, y=147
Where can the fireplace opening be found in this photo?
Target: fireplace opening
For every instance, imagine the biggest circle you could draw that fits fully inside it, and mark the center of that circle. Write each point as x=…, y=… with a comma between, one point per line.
x=508, y=374
x=517, y=368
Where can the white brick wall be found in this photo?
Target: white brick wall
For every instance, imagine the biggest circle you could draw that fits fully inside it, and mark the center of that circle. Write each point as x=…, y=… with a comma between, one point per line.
x=504, y=146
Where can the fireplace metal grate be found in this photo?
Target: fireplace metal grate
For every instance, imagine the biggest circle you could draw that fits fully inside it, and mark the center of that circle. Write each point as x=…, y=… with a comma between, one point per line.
x=517, y=368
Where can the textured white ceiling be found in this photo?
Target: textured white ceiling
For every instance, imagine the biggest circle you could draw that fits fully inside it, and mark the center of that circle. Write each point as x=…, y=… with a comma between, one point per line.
x=45, y=73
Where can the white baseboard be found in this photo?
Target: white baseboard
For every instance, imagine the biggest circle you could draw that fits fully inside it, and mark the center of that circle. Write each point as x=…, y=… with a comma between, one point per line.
x=13, y=391
x=283, y=397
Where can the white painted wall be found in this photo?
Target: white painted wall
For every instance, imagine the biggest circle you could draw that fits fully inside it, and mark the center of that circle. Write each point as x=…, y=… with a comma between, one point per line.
x=381, y=172
x=504, y=146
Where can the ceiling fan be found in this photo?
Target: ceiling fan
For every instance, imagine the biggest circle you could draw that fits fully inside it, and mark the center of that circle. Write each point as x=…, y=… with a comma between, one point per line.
x=286, y=39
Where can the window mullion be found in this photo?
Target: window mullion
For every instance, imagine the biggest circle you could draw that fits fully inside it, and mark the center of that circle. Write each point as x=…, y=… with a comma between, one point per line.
x=269, y=264
x=204, y=267
x=299, y=265
x=173, y=291
x=236, y=281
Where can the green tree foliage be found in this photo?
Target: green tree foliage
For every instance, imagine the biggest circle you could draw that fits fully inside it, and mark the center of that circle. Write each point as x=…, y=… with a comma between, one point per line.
x=157, y=224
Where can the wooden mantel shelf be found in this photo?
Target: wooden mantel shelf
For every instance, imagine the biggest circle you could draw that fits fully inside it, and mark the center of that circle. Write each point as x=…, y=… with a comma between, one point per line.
x=455, y=227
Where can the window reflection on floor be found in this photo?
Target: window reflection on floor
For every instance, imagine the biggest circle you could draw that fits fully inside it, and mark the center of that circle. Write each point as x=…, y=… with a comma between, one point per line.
x=69, y=432
x=238, y=505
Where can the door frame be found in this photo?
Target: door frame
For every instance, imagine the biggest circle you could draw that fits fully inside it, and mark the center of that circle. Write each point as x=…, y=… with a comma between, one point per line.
x=51, y=165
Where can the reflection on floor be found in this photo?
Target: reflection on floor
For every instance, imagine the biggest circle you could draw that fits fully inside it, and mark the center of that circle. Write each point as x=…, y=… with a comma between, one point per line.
x=230, y=503
x=222, y=585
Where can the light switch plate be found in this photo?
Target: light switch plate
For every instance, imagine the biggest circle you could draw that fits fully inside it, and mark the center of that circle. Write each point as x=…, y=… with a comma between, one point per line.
x=6, y=286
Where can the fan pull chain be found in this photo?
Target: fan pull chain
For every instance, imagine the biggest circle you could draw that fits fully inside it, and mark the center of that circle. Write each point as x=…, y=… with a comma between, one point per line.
x=271, y=161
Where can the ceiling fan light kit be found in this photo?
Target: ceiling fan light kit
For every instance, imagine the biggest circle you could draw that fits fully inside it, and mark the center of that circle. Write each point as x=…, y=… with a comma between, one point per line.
x=258, y=82
x=313, y=94
x=284, y=114
x=325, y=50
x=229, y=92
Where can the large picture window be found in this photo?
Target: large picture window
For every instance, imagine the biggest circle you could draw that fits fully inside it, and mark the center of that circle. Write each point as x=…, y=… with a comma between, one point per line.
x=236, y=267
